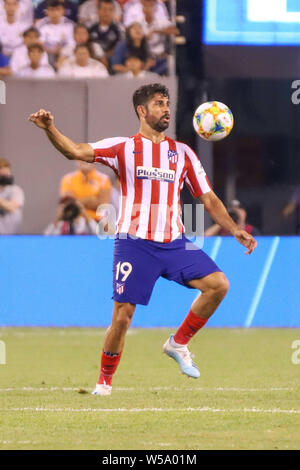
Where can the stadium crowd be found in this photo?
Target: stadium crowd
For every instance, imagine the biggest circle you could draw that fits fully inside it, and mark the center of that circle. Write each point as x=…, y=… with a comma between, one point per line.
x=93, y=38
x=82, y=194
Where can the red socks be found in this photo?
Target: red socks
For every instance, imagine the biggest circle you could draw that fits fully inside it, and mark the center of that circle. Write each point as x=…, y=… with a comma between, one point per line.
x=191, y=324
x=110, y=361
x=109, y=364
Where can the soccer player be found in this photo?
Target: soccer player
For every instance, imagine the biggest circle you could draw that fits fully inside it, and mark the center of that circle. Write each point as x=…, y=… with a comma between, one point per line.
x=150, y=240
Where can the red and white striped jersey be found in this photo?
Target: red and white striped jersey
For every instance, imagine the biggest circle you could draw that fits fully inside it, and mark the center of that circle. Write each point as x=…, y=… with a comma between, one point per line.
x=151, y=176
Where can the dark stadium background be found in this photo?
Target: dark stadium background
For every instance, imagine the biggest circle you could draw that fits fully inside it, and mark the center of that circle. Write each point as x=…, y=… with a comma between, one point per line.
x=259, y=163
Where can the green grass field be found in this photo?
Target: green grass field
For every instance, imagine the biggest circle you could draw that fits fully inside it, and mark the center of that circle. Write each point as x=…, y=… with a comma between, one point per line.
x=246, y=398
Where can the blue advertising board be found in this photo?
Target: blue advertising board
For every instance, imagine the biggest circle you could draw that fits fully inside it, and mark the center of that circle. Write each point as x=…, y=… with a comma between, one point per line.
x=66, y=281
x=252, y=22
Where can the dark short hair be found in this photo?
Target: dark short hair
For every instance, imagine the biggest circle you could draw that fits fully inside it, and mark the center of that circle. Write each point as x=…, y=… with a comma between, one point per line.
x=35, y=46
x=105, y=1
x=55, y=3
x=32, y=29
x=146, y=92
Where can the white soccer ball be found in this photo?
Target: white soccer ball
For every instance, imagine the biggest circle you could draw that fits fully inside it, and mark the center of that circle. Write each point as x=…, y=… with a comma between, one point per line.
x=213, y=120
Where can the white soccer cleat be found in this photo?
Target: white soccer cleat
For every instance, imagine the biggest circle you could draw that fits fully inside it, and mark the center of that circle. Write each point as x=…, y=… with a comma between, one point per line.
x=102, y=389
x=182, y=356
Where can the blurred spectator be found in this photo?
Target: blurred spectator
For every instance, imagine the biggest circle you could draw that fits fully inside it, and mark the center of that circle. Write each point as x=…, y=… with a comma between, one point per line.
x=70, y=10
x=20, y=57
x=11, y=201
x=239, y=216
x=133, y=11
x=71, y=219
x=5, y=69
x=157, y=30
x=24, y=13
x=88, y=12
x=135, y=68
x=83, y=66
x=11, y=29
x=56, y=30
x=105, y=32
x=87, y=185
x=235, y=204
x=81, y=36
x=36, y=69
x=136, y=45
x=293, y=205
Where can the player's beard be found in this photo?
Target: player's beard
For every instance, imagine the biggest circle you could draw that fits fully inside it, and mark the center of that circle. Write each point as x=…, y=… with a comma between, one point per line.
x=156, y=124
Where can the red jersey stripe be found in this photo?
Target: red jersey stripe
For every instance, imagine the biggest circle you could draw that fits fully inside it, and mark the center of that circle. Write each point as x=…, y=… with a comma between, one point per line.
x=122, y=172
x=136, y=209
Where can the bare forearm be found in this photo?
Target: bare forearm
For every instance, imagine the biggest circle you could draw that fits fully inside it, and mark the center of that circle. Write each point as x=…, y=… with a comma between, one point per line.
x=62, y=143
x=67, y=147
x=45, y=120
x=218, y=212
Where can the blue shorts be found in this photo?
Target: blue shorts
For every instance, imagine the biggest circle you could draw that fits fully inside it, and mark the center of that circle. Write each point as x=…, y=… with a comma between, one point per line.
x=139, y=263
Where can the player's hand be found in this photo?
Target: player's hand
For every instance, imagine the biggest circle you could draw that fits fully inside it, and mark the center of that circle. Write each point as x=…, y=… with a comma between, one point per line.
x=245, y=239
x=42, y=119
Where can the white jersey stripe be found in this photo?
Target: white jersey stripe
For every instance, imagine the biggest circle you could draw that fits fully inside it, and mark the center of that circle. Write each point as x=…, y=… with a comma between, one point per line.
x=147, y=191
x=130, y=178
x=163, y=195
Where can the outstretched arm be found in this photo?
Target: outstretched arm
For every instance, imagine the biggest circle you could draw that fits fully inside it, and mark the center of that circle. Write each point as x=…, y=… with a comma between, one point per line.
x=219, y=214
x=44, y=120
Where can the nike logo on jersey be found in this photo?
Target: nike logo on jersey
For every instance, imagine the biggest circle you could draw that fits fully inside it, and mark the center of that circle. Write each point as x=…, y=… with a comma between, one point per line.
x=150, y=173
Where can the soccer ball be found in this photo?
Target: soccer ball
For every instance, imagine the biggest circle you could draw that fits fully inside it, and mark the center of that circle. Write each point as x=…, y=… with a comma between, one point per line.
x=213, y=120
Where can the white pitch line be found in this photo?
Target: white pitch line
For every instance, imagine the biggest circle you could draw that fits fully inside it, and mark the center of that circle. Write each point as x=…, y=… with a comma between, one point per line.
x=150, y=389
x=64, y=332
x=142, y=410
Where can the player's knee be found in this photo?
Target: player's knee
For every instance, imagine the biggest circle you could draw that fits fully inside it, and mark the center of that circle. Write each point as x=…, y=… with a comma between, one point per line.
x=124, y=316
x=221, y=287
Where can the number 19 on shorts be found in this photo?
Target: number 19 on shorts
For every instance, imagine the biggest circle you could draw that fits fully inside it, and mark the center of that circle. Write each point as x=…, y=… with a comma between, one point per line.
x=124, y=269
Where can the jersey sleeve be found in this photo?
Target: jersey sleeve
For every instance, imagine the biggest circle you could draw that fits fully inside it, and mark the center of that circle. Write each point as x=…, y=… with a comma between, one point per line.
x=106, y=152
x=195, y=177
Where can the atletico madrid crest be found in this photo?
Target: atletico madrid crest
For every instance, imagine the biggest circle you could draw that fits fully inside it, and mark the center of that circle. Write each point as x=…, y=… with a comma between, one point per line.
x=120, y=288
x=173, y=156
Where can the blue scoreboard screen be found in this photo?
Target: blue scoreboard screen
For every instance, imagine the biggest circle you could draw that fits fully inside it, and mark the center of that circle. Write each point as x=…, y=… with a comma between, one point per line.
x=252, y=22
